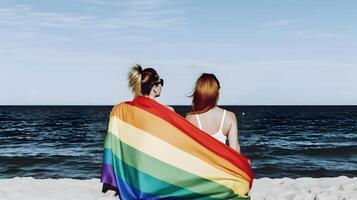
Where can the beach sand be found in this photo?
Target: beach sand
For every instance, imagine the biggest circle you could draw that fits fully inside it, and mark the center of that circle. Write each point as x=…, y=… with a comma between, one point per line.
x=339, y=188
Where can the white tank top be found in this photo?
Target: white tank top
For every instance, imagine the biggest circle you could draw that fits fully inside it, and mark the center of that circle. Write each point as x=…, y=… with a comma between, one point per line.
x=219, y=135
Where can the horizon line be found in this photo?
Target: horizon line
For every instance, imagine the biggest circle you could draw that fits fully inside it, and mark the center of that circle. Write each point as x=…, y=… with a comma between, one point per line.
x=182, y=105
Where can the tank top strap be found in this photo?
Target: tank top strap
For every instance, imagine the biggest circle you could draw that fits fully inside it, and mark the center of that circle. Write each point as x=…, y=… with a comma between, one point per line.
x=198, y=120
x=223, y=117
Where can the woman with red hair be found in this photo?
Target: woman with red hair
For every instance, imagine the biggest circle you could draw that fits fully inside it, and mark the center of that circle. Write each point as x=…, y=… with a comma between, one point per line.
x=206, y=115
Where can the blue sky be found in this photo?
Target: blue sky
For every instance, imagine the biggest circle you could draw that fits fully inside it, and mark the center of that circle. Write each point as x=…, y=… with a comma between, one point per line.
x=263, y=52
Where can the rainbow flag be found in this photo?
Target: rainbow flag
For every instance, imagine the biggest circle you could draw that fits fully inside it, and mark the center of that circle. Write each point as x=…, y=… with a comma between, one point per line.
x=151, y=152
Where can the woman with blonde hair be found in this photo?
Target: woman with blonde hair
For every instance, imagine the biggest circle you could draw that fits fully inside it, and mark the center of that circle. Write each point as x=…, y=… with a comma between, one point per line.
x=145, y=82
x=206, y=115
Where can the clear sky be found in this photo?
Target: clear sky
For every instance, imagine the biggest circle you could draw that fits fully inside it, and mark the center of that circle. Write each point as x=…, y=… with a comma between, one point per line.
x=263, y=52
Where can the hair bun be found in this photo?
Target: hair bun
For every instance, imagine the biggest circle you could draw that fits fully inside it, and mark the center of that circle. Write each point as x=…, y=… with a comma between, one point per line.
x=134, y=79
x=138, y=68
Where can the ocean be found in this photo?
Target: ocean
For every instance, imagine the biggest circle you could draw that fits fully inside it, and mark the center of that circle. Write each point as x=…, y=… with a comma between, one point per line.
x=281, y=141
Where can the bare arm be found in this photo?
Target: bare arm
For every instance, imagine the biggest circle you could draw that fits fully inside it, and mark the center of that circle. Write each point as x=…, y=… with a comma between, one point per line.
x=233, y=133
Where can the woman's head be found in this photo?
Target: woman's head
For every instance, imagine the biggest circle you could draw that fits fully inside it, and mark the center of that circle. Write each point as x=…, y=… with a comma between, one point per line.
x=206, y=93
x=146, y=82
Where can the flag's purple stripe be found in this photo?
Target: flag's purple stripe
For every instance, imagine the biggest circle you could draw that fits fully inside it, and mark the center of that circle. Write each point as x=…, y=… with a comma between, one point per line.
x=108, y=175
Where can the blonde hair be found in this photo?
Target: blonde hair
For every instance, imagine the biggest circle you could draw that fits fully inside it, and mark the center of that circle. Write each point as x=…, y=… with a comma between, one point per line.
x=134, y=79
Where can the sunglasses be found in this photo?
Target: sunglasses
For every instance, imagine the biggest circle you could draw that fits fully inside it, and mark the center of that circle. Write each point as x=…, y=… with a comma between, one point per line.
x=160, y=82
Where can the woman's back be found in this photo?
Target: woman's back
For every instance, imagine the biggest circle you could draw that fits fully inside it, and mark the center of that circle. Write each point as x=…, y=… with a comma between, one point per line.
x=216, y=122
x=210, y=121
x=219, y=123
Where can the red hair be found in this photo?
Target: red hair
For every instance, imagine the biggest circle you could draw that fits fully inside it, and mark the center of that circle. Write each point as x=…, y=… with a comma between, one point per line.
x=206, y=93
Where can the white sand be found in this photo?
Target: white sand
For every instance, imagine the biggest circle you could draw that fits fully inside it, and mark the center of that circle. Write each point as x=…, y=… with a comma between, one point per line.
x=340, y=188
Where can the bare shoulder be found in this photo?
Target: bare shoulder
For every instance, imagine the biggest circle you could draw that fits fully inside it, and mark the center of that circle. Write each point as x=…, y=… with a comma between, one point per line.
x=189, y=117
x=192, y=119
x=231, y=116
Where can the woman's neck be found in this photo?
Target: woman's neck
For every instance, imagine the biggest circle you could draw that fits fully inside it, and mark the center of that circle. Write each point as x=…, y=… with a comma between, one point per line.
x=151, y=96
x=213, y=108
x=201, y=112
